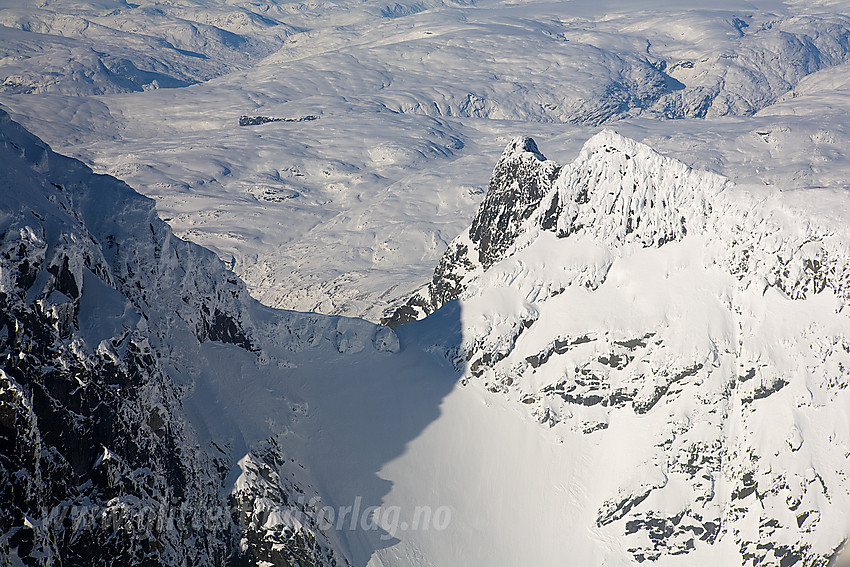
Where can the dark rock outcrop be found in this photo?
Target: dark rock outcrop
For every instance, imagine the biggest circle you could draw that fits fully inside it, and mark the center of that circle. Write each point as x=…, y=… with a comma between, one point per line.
x=99, y=463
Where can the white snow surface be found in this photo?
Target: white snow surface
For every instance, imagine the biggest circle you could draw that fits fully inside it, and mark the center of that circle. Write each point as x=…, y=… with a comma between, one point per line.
x=733, y=353
x=347, y=214
x=720, y=353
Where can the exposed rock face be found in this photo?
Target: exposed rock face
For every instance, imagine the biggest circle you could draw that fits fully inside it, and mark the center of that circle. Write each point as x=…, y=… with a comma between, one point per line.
x=99, y=463
x=520, y=180
x=272, y=512
x=260, y=120
x=94, y=442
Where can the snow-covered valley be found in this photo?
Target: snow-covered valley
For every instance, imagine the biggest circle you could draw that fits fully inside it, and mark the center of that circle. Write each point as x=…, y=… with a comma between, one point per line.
x=632, y=350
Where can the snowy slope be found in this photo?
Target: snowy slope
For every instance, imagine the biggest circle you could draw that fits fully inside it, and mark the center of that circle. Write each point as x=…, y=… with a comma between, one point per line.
x=85, y=48
x=686, y=339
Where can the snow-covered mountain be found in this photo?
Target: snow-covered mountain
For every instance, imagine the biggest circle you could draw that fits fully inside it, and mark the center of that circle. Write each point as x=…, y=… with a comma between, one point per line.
x=638, y=357
x=645, y=362
x=695, y=329
x=115, y=447
x=347, y=214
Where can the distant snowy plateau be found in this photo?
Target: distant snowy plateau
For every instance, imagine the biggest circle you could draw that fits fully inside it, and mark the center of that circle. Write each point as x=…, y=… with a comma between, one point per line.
x=292, y=276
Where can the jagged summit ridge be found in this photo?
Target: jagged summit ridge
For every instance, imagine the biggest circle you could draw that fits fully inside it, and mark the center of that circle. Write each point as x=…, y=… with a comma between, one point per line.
x=622, y=191
x=694, y=330
x=617, y=188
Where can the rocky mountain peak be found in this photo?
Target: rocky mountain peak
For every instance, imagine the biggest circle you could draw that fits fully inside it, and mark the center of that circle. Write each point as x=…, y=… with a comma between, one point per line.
x=521, y=145
x=520, y=179
x=617, y=189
